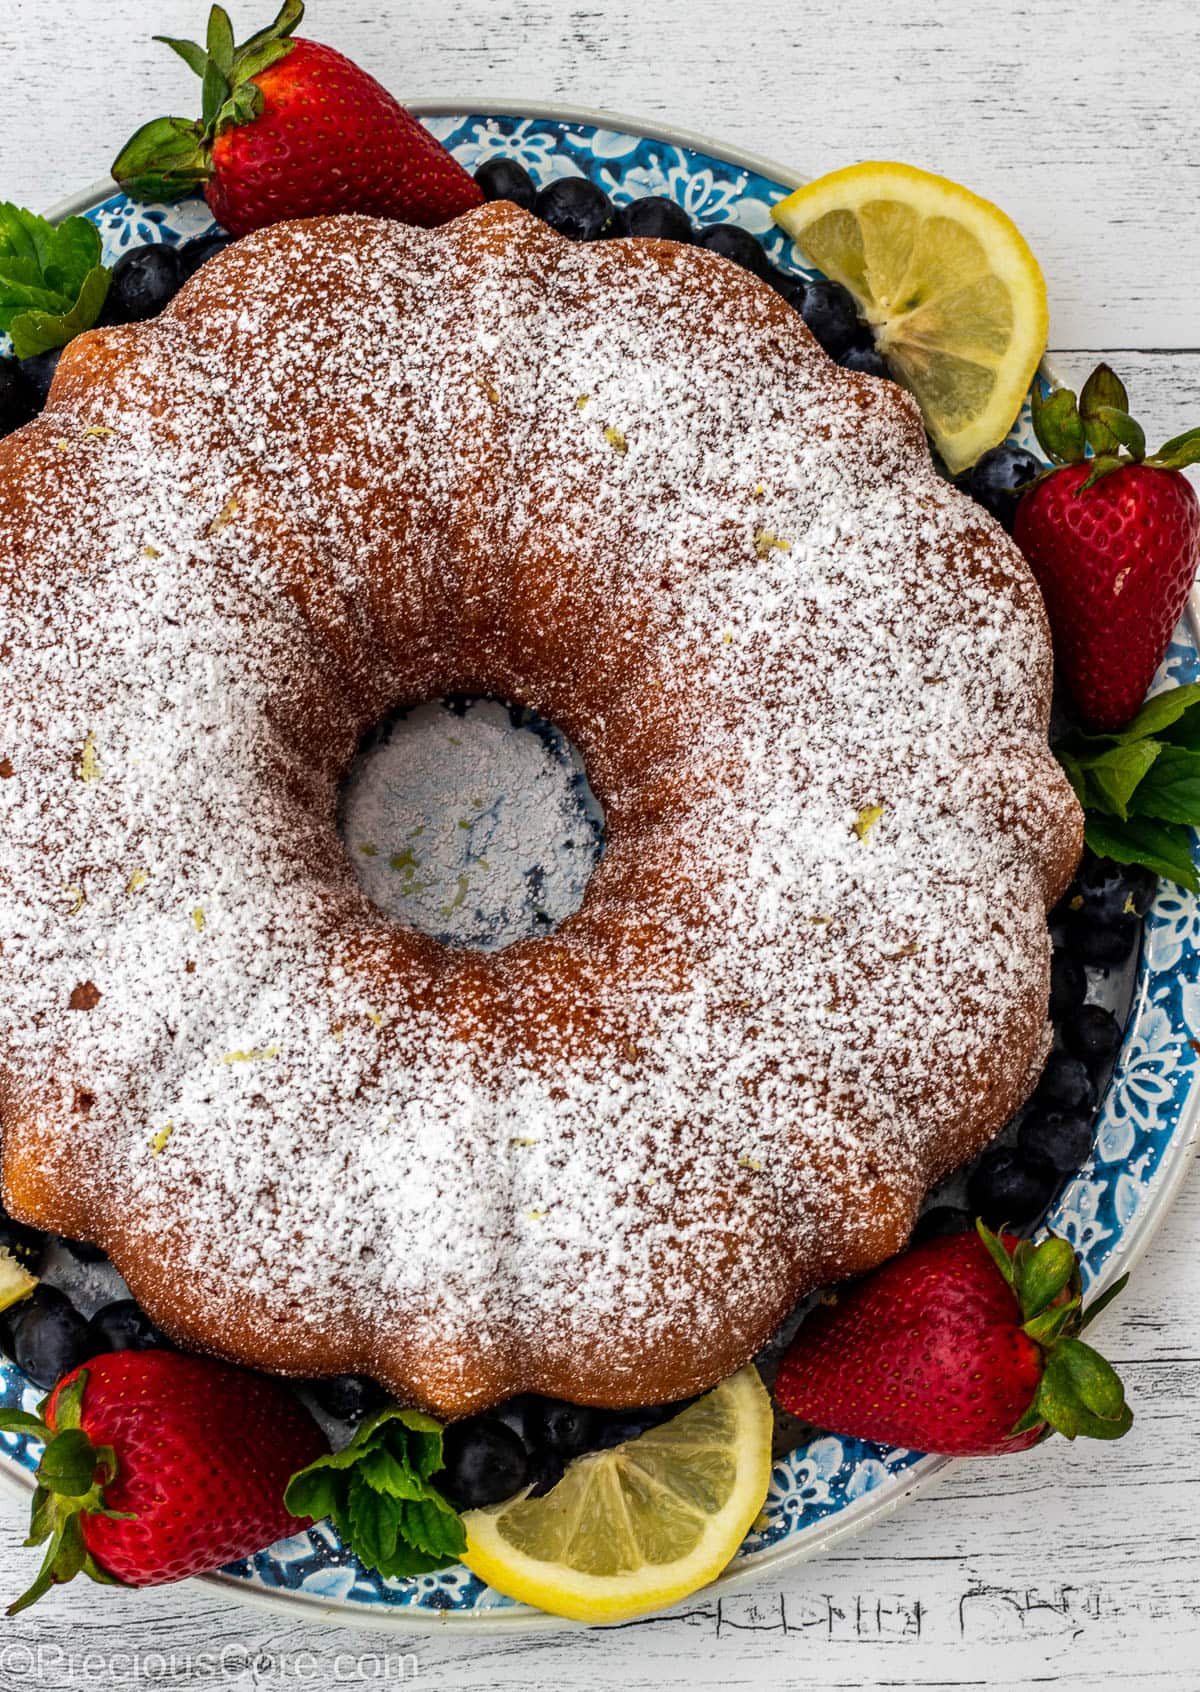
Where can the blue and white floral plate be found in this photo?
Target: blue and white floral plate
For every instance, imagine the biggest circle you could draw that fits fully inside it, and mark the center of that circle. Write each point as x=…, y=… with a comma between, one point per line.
x=1148, y=1125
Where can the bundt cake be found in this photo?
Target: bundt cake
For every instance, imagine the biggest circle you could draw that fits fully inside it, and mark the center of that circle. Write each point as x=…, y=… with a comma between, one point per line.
x=356, y=465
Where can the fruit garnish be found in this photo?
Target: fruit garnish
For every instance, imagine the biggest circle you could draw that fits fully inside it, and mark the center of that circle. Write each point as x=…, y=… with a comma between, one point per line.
x=16, y=1282
x=53, y=284
x=158, y=1466
x=1114, y=541
x=946, y=281
x=378, y=1494
x=290, y=128
x=639, y=1526
x=967, y=1345
x=1140, y=786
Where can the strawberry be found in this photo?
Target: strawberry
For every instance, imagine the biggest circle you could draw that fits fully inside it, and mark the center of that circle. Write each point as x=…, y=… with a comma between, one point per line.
x=158, y=1466
x=292, y=129
x=965, y=1345
x=1114, y=541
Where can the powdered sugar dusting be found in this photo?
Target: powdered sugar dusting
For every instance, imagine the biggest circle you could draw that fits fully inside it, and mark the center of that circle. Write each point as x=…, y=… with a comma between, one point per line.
x=356, y=466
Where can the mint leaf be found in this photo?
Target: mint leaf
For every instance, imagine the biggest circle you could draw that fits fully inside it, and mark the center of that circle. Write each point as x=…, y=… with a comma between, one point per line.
x=1166, y=848
x=1171, y=789
x=378, y=1493
x=38, y=331
x=1111, y=777
x=54, y=274
x=1158, y=713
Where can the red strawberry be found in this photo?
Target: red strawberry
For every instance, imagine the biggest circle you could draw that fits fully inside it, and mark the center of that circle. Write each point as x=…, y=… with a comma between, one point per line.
x=965, y=1345
x=158, y=1466
x=1114, y=542
x=292, y=129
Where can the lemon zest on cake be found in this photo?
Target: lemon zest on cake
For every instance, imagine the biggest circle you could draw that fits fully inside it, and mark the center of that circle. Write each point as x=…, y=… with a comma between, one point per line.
x=616, y=439
x=159, y=1140
x=89, y=763
x=866, y=819
x=198, y=919
x=138, y=879
x=77, y=897
x=255, y=1054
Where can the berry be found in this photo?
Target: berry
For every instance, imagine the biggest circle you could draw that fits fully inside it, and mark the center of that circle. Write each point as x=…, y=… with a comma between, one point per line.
x=790, y=288
x=1061, y=1139
x=941, y=1220
x=1004, y=1187
x=49, y=1340
x=172, y=1465
x=866, y=360
x=16, y=399
x=946, y=1348
x=1102, y=943
x=195, y=253
x=831, y=315
x=1093, y=1034
x=656, y=218
x=997, y=479
x=505, y=179
x=485, y=1463
x=566, y=1429
x=1068, y=984
x=523, y=1415
x=737, y=245
x=348, y=1398
x=1114, y=559
x=39, y=374
x=577, y=208
x=144, y=281
x=83, y=1251
x=1108, y=890
x=325, y=138
x=123, y=1326
x=1065, y=1085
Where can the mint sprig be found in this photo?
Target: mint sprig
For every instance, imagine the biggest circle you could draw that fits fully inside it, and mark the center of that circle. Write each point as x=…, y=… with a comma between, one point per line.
x=53, y=283
x=1140, y=787
x=378, y=1495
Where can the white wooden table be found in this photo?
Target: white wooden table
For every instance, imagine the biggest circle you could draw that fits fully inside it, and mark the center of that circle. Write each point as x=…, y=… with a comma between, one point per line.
x=1068, y=1565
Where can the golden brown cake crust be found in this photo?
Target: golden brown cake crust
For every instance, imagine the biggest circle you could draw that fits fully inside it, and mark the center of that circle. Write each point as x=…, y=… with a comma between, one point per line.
x=355, y=465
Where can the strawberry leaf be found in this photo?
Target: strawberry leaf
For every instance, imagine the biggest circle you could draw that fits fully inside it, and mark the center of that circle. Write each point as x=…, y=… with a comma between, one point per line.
x=164, y=160
x=1166, y=848
x=1179, y=452
x=1103, y=1301
x=998, y=1252
x=1103, y=387
x=192, y=54
x=220, y=40
x=287, y=21
x=1045, y=1273
x=1122, y=432
x=1058, y=425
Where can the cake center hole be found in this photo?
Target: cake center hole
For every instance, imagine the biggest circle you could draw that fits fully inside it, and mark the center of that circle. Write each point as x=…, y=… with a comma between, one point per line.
x=471, y=820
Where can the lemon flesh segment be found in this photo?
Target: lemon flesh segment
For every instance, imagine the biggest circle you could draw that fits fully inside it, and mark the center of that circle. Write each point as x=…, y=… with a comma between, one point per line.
x=948, y=283
x=641, y=1526
x=16, y=1282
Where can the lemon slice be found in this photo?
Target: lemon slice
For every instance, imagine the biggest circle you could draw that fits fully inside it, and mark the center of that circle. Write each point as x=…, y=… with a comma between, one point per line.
x=640, y=1526
x=15, y=1281
x=948, y=283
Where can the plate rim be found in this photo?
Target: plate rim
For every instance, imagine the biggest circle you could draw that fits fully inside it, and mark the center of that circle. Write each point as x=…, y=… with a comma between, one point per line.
x=416, y=1619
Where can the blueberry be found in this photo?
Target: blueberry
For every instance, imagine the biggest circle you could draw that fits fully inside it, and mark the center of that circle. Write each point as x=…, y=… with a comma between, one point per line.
x=616, y=1426
x=737, y=245
x=505, y=179
x=1065, y=1085
x=790, y=288
x=1006, y=1187
x=866, y=360
x=940, y=1220
x=545, y=1472
x=1101, y=943
x=49, y=1340
x=195, y=253
x=997, y=479
x=831, y=315
x=577, y=208
x=39, y=374
x=16, y=397
x=348, y=1398
x=123, y=1326
x=1060, y=1138
x=1093, y=1034
x=144, y=280
x=26, y=1244
x=485, y=1463
x=655, y=217
x=523, y=1415
x=1108, y=890
x=566, y=1429
x=1068, y=984
x=83, y=1251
